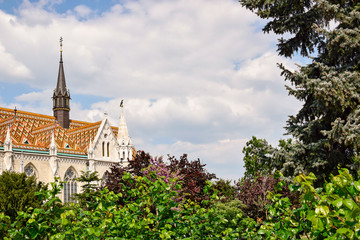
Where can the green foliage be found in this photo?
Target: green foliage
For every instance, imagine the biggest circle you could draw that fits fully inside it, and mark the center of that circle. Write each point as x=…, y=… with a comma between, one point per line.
x=253, y=193
x=4, y=225
x=17, y=193
x=332, y=212
x=150, y=211
x=297, y=19
x=192, y=175
x=40, y=223
x=258, y=158
x=225, y=190
x=89, y=189
x=231, y=211
x=326, y=128
x=261, y=158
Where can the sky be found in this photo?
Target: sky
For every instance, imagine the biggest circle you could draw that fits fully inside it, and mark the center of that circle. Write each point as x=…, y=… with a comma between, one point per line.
x=197, y=77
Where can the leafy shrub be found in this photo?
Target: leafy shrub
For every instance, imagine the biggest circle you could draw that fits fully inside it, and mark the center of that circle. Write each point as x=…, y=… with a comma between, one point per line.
x=133, y=220
x=332, y=212
x=194, y=175
x=253, y=194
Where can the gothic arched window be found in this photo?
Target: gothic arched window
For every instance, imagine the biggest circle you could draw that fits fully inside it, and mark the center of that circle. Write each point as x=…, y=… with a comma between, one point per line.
x=70, y=186
x=108, y=149
x=30, y=170
x=103, y=149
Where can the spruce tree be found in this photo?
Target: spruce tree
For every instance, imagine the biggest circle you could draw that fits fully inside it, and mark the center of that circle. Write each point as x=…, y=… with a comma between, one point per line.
x=17, y=193
x=326, y=129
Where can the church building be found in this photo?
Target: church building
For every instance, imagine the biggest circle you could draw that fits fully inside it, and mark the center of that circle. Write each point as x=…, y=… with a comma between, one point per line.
x=57, y=146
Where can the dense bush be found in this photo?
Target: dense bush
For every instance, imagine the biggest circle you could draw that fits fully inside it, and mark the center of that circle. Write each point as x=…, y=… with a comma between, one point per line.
x=133, y=220
x=192, y=175
x=332, y=212
x=148, y=207
x=17, y=192
x=254, y=194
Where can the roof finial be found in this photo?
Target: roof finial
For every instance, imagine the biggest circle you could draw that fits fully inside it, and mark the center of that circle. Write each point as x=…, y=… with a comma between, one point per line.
x=61, y=41
x=122, y=103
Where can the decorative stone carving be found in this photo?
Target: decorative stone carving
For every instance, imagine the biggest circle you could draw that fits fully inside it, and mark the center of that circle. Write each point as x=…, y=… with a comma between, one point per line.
x=92, y=165
x=54, y=161
x=8, y=142
x=53, y=148
x=54, y=165
x=9, y=161
x=91, y=154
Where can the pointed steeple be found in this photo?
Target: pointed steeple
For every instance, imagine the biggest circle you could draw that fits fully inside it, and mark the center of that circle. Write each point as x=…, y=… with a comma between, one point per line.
x=61, y=96
x=61, y=83
x=123, y=134
x=8, y=142
x=125, y=148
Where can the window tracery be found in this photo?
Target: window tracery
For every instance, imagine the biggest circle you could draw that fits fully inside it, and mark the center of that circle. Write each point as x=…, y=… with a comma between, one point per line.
x=70, y=185
x=30, y=170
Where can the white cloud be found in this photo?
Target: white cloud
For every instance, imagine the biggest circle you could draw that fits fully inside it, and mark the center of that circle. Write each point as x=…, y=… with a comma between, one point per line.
x=196, y=76
x=10, y=67
x=82, y=11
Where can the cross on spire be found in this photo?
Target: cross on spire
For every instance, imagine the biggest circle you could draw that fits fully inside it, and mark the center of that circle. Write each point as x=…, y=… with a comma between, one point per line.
x=61, y=40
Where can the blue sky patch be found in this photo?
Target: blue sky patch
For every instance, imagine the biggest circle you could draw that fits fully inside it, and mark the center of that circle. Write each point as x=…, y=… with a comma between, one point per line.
x=8, y=91
x=10, y=6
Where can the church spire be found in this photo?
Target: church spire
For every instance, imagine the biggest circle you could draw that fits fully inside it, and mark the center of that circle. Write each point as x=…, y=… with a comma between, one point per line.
x=61, y=97
x=123, y=138
x=123, y=134
x=61, y=83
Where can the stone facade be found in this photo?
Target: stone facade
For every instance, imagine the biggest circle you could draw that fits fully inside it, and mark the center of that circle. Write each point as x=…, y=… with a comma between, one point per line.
x=49, y=147
x=49, y=159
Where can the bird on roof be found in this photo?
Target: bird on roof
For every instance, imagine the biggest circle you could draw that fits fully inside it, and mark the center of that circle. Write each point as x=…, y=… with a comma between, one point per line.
x=122, y=103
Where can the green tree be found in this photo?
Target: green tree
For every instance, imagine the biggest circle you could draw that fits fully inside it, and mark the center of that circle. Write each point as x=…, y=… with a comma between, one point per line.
x=225, y=190
x=17, y=193
x=90, y=189
x=326, y=129
x=258, y=158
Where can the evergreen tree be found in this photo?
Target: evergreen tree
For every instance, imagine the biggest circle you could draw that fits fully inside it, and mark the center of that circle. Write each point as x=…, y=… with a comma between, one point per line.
x=17, y=193
x=89, y=190
x=326, y=129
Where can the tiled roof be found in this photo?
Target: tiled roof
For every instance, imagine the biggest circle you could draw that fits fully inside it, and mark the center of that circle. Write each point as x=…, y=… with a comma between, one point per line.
x=34, y=131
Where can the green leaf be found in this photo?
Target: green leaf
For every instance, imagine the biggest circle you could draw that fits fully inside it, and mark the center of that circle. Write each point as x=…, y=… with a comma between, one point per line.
x=337, y=203
x=356, y=212
x=272, y=211
x=349, y=203
x=342, y=230
x=322, y=210
x=34, y=233
x=329, y=188
x=357, y=185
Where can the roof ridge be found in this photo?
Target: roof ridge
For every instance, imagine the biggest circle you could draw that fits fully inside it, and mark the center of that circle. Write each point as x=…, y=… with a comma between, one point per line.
x=26, y=113
x=84, y=127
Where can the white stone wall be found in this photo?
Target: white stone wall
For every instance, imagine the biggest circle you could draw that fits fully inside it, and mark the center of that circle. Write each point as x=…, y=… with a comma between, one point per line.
x=43, y=170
